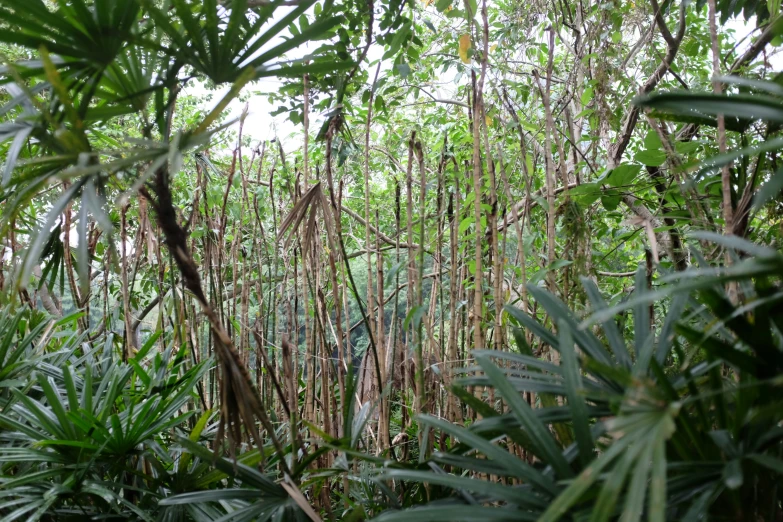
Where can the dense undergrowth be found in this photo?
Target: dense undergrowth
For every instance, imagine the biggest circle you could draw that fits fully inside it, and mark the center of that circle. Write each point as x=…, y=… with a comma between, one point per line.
x=683, y=422
x=519, y=262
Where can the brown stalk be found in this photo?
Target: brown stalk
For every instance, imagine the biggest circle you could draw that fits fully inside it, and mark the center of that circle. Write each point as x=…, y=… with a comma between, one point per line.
x=411, y=263
x=241, y=403
x=129, y=330
x=421, y=391
x=454, y=412
x=550, y=168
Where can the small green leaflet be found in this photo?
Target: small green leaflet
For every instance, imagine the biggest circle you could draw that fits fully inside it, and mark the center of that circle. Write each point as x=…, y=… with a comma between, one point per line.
x=610, y=201
x=472, y=5
x=560, y=263
x=541, y=201
x=465, y=224
x=415, y=315
x=587, y=96
x=586, y=193
x=687, y=147
x=392, y=273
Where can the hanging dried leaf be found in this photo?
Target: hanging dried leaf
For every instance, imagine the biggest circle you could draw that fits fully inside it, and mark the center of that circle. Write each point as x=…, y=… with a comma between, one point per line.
x=464, y=46
x=309, y=201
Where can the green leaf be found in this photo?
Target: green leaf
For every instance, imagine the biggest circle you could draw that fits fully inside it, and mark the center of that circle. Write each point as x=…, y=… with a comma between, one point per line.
x=587, y=96
x=414, y=317
x=296, y=69
x=622, y=175
x=634, y=499
x=576, y=402
x=586, y=340
x=248, y=474
x=513, y=464
x=651, y=158
x=392, y=273
x=732, y=474
x=743, y=106
x=715, y=162
x=606, y=504
x=442, y=5
x=465, y=224
x=586, y=193
x=769, y=190
x=471, y=10
x=616, y=342
x=610, y=201
x=656, y=510
x=719, y=349
x=768, y=461
x=652, y=141
x=542, y=438
x=582, y=483
x=759, y=85
x=450, y=513
x=687, y=147
x=494, y=490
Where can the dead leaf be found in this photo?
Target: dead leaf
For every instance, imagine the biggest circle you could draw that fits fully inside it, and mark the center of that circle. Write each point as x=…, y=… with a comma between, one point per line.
x=300, y=500
x=464, y=46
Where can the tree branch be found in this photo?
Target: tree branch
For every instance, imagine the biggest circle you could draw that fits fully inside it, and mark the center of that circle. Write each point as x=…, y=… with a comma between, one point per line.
x=441, y=100
x=673, y=45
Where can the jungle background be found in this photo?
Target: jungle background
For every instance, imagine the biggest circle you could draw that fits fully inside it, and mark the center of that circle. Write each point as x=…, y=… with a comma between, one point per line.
x=391, y=260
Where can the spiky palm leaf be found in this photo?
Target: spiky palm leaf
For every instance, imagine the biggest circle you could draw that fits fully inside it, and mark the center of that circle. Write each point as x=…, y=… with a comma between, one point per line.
x=660, y=430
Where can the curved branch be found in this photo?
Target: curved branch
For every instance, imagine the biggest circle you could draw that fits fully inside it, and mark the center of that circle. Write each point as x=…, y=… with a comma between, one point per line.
x=673, y=45
x=383, y=237
x=616, y=274
x=772, y=29
x=755, y=49
x=522, y=204
x=147, y=309
x=441, y=100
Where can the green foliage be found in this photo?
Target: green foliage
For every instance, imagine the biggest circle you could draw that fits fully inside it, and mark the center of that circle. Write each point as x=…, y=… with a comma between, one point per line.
x=85, y=435
x=115, y=58
x=758, y=100
x=681, y=423
x=654, y=396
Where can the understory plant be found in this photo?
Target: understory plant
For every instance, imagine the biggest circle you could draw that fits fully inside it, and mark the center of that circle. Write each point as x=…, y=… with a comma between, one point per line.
x=682, y=424
x=235, y=329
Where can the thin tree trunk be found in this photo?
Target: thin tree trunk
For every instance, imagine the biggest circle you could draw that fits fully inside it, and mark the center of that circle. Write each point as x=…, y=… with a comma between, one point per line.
x=409, y=340
x=454, y=412
x=550, y=168
x=420, y=390
x=128, y=346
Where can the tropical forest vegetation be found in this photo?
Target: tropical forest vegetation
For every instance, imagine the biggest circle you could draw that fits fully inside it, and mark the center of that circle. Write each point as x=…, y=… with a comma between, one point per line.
x=393, y=260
